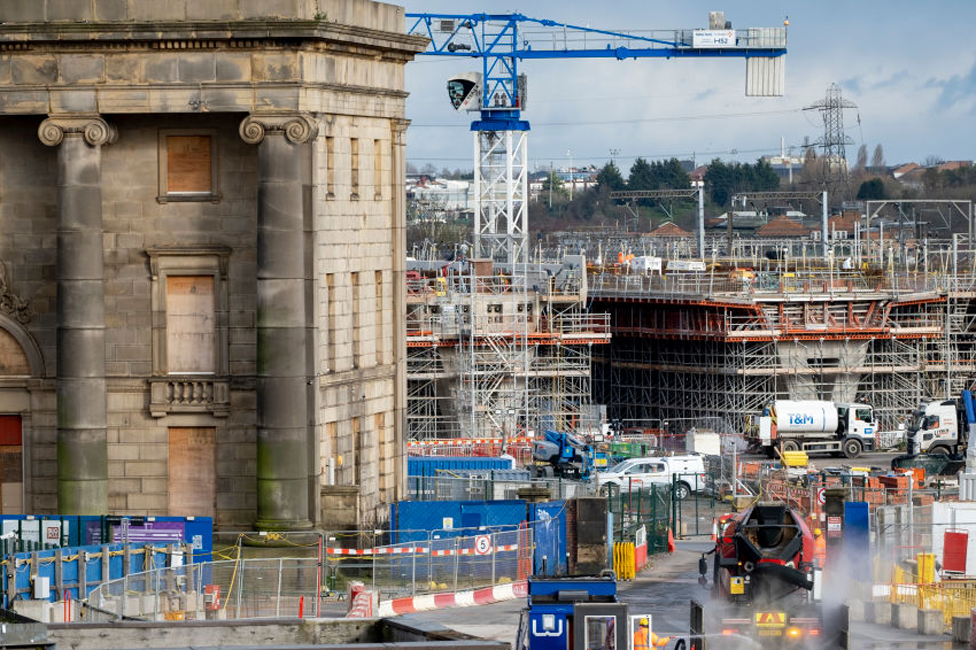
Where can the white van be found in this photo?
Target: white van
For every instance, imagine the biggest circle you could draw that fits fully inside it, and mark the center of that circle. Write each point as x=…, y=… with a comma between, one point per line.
x=639, y=473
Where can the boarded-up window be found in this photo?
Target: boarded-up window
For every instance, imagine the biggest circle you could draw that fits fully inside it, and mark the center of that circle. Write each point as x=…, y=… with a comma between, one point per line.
x=354, y=167
x=189, y=164
x=11, y=465
x=379, y=329
x=190, y=332
x=377, y=170
x=331, y=318
x=330, y=167
x=356, y=323
x=192, y=472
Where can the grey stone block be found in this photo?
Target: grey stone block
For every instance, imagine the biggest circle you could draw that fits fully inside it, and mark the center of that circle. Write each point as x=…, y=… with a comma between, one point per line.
x=88, y=68
x=195, y=68
x=34, y=70
x=905, y=616
x=68, y=10
x=151, y=10
x=879, y=612
x=930, y=622
x=962, y=627
x=110, y=10
x=23, y=11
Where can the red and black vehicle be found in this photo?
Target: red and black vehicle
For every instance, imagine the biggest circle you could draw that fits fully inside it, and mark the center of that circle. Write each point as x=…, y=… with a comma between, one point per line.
x=766, y=585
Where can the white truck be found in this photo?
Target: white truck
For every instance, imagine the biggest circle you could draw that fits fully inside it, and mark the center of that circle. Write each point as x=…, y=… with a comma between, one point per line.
x=816, y=427
x=942, y=426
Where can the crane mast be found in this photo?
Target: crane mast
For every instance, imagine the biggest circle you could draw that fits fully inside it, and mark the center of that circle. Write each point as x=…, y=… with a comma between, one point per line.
x=499, y=94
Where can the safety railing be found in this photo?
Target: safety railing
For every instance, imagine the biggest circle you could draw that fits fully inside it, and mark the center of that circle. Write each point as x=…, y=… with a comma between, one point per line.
x=951, y=598
x=774, y=283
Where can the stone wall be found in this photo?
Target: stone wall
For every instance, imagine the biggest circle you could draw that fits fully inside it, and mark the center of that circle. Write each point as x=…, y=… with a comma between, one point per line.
x=196, y=77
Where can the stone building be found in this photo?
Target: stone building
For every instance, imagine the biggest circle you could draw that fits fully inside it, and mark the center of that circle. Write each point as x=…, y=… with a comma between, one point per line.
x=202, y=245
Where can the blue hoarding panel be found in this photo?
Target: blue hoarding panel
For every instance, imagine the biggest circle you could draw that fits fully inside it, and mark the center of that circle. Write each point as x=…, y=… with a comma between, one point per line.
x=433, y=465
x=548, y=521
x=857, y=535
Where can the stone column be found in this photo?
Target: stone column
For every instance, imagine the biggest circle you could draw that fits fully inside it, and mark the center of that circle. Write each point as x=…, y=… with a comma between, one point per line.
x=282, y=400
x=82, y=442
x=399, y=328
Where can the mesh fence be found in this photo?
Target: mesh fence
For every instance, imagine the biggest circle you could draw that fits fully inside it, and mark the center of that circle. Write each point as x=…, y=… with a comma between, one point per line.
x=228, y=589
x=649, y=508
x=251, y=588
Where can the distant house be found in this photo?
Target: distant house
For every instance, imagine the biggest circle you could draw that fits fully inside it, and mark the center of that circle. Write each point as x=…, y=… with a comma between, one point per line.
x=781, y=228
x=898, y=172
x=669, y=229
x=953, y=165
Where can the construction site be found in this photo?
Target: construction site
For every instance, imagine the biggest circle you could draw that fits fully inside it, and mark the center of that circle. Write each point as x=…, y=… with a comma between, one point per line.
x=494, y=353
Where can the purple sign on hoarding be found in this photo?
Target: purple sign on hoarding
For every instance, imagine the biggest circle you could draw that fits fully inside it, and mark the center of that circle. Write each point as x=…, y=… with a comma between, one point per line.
x=145, y=532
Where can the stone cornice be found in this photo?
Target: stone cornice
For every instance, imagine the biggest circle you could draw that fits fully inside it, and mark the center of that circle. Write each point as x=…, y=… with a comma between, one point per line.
x=209, y=34
x=297, y=127
x=95, y=130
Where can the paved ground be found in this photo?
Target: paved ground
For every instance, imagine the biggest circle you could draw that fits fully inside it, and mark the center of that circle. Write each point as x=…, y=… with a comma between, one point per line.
x=664, y=591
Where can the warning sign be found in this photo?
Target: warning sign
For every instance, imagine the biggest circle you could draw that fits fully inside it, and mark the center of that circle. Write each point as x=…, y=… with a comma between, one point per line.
x=821, y=495
x=482, y=544
x=770, y=619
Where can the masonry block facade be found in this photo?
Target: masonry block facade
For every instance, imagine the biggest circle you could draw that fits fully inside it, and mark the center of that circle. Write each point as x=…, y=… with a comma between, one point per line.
x=202, y=247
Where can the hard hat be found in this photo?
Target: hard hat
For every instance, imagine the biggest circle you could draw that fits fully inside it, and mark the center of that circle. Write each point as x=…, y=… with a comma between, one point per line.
x=816, y=531
x=645, y=622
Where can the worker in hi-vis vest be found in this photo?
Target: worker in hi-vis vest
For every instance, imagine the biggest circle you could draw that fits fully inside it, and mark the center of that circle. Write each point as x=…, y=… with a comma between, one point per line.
x=644, y=639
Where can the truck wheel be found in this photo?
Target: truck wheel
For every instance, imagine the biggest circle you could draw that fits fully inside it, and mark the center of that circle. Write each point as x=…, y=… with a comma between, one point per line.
x=939, y=451
x=681, y=491
x=790, y=445
x=852, y=448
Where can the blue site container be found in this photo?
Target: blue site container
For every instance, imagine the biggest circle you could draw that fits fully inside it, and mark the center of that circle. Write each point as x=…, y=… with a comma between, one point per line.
x=434, y=465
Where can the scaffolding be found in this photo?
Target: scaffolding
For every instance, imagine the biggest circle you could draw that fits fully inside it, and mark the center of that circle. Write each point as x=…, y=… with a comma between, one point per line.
x=494, y=353
x=691, y=348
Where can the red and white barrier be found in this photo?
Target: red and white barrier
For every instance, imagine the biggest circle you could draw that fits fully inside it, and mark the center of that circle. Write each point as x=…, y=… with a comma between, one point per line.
x=470, y=598
x=474, y=551
x=381, y=550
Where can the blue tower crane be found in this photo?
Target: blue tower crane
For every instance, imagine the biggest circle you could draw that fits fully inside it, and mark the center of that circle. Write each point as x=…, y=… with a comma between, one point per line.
x=499, y=93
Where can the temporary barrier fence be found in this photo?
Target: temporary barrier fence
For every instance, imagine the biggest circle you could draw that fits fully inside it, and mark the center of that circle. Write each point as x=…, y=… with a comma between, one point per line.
x=648, y=509
x=74, y=573
x=249, y=588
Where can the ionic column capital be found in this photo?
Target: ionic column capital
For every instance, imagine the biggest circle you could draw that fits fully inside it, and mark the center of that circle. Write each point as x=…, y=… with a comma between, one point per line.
x=298, y=128
x=95, y=130
x=399, y=129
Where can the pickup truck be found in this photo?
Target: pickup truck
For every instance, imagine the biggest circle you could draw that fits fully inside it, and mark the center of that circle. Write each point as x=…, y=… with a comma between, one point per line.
x=639, y=473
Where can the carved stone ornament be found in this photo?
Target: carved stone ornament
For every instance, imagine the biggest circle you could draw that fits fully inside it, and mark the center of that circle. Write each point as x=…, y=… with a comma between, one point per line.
x=10, y=303
x=95, y=130
x=399, y=129
x=298, y=128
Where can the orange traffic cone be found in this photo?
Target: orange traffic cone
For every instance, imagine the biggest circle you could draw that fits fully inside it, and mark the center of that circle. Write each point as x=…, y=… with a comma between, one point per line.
x=670, y=541
x=714, y=530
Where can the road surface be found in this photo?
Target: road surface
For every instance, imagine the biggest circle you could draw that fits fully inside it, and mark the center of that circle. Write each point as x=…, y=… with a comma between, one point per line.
x=664, y=590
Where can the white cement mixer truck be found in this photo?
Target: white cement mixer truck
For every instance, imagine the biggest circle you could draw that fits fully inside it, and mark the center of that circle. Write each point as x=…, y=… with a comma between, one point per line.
x=815, y=427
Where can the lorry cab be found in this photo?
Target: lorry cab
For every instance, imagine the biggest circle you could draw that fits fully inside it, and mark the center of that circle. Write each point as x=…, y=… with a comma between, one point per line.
x=857, y=419
x=934, y=428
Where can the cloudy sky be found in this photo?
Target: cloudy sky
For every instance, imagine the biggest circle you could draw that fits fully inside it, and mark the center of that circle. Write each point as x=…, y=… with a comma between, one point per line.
x=909, y=66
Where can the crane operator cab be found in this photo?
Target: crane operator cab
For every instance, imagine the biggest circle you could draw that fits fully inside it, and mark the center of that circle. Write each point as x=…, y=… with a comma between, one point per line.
x=582, y=613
